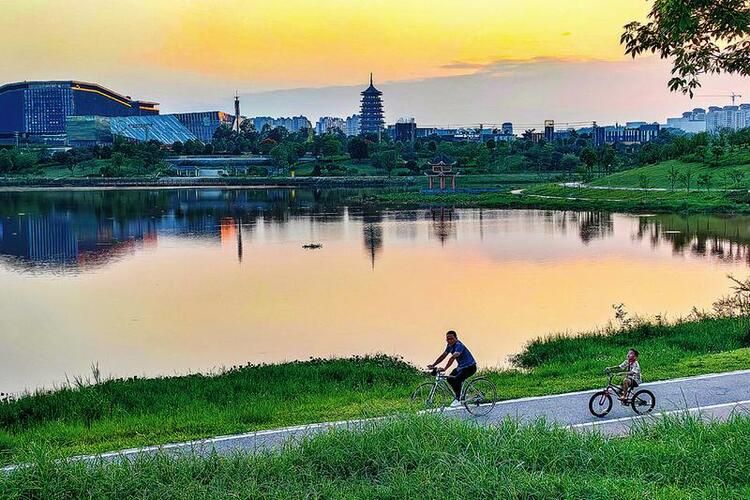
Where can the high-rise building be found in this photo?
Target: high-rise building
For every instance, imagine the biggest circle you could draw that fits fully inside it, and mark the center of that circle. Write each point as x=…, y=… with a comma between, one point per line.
x=405, y=130
x=330, y=124
x=371, y=114
x=727, y=118
x=38, y=111
x=293, y=124
x=352, y=125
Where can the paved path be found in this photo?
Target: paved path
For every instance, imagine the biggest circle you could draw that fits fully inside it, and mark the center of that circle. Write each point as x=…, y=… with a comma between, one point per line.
x=716, y=396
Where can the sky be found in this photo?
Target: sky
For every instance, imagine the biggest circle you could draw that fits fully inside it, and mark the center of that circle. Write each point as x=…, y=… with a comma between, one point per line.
x=441, y=62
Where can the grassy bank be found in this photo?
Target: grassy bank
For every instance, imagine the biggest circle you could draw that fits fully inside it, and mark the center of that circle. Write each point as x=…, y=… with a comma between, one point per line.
x=429, y=457
x=556, y=197
x=123, y=413
x=658, y=176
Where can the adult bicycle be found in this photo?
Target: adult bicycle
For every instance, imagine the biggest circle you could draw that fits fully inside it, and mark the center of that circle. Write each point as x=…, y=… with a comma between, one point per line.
x=478, y=394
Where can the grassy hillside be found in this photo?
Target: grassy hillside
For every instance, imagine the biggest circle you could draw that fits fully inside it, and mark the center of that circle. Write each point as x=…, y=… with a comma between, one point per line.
x=123, y=413
x=428, y=457
x=657, y=176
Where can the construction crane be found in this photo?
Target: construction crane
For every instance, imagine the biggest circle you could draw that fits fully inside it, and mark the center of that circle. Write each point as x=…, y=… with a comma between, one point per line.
x=732, y=96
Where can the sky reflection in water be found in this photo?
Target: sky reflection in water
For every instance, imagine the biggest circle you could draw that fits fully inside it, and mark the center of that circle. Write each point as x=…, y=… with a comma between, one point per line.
x=170, y=281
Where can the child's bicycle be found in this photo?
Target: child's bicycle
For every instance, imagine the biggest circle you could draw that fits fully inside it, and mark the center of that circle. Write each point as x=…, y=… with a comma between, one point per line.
x=478, y=394
x=642, y=401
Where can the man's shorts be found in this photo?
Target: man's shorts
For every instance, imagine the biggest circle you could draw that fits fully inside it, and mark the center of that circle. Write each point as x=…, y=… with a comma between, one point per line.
x=633, y=383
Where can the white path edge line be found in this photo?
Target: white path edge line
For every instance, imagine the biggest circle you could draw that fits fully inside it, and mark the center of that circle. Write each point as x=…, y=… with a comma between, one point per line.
x=590, y=391
x=341, y=423
x=656, y=415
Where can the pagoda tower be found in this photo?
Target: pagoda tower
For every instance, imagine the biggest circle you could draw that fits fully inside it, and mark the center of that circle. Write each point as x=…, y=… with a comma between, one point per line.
x=371, y=114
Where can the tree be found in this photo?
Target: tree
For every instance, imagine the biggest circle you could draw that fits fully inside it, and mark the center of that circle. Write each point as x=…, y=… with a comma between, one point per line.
x=705, y=181
x=330, y=145
x=685, y=178
x=569, y=162
x=673, y=175
x=357, y=148
x=490, y=144
x=700, y=36
x=644, y=182
x=385, y=160
x=736, y=175
x=588, y=157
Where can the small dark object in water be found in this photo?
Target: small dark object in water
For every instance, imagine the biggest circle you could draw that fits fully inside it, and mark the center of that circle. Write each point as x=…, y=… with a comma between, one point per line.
x=312, y=246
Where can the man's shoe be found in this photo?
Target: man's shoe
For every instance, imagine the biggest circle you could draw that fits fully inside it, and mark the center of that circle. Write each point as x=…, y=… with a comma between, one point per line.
x=455, y=404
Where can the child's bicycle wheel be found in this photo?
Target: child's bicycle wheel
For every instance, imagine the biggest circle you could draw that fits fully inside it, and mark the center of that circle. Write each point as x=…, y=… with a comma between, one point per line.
x=600, y=404
x=643, y=402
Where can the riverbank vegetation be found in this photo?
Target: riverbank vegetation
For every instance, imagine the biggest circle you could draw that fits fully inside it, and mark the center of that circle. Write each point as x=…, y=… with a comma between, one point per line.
x=407, y=457
x=103, y=415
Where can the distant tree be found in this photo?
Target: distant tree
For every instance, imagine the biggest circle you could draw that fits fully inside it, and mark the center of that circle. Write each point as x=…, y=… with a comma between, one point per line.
x=699, y=36
x=330, y=145
x=490, y=144
x=569, y=162
x=705, y=181
x=673, y=174
x=685, y=178
x=588, y=157
x=357, y=148
x=736, y=175
x=432, y=146
x=606, y=158
x=177, y=148
x=385, y=160
x=643, y=181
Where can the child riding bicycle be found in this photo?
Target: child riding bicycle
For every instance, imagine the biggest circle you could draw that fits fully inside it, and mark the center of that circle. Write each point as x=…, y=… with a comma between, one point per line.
x=632, y=370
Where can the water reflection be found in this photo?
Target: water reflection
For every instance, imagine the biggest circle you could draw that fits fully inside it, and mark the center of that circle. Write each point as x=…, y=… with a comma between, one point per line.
x=78, y=230
x=725, y=239
x=165, y=281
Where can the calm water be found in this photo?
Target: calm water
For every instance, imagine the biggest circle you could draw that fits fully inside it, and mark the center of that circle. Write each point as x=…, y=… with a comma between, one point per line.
x=170, y=281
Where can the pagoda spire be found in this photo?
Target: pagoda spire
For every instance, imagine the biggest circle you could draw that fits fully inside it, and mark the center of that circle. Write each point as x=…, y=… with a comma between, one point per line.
x=370, y=78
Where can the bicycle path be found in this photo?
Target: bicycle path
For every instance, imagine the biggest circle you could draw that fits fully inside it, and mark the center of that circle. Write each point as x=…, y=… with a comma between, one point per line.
x=715, y=396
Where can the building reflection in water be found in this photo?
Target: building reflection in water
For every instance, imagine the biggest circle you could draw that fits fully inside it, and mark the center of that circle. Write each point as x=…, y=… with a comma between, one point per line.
x=443, y=223
x=72, y=231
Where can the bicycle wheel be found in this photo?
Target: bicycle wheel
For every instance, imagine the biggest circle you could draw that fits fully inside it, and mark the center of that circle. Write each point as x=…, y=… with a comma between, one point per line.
x=643, y=402
x=423, y=396
x=600, y=404
x=479, y=396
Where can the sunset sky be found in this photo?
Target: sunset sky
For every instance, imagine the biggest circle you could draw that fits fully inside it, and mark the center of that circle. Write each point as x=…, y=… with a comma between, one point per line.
x=440, y=61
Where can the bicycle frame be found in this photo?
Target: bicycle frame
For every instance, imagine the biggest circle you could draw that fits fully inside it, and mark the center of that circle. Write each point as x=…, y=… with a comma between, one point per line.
x=610, y=388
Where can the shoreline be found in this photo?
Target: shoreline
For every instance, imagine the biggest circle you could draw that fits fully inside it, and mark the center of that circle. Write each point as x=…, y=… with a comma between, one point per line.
x=18, y=184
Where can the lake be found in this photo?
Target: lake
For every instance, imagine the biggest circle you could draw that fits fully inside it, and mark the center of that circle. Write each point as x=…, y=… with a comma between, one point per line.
x=160, y=282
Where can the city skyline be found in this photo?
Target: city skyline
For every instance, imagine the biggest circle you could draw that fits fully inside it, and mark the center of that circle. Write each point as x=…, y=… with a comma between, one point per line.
x=494, y=62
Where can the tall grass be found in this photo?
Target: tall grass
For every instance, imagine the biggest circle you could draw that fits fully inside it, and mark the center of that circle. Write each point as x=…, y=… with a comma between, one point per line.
x=429, y=457
x=123, y=413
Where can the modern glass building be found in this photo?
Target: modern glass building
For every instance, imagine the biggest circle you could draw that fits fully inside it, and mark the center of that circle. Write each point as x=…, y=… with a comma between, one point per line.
x=204, y=124
x=37, y=111
x=100, y=130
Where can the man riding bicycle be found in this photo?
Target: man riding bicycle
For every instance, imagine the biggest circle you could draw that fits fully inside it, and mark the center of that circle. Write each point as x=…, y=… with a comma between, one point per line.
x=466, y=364
x=632, y=371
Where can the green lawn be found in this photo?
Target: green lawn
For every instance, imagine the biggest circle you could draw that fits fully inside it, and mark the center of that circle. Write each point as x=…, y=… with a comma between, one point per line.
x=430, y=457
x=124, y=413
x=657, y=176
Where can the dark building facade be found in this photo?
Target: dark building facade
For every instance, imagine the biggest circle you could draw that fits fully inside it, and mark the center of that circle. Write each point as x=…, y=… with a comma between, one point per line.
x=371, y=115
x=37, y=111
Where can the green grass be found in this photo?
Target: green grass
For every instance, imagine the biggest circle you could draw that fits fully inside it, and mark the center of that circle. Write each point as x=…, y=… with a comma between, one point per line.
x=429, y=457
x=556, y=197
x=123, y=413
x=657, y=175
